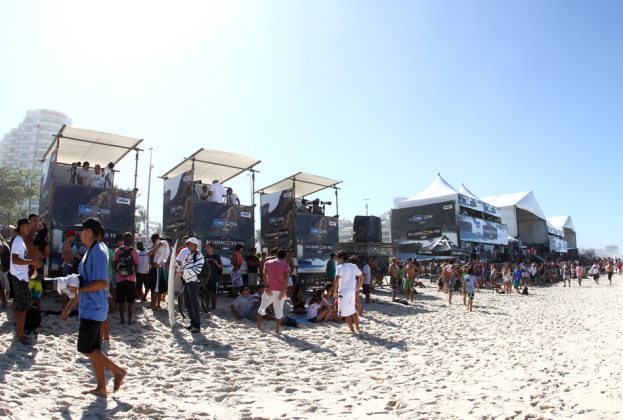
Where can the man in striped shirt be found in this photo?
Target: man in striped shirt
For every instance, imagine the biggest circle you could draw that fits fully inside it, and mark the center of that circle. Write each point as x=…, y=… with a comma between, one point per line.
x=190, y=269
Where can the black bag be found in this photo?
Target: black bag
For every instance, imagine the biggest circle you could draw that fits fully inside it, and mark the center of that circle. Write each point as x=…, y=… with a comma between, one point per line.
x=525, y=290
x=290, y=322
x=125, y=266
x=33, y=320
x=204, y=274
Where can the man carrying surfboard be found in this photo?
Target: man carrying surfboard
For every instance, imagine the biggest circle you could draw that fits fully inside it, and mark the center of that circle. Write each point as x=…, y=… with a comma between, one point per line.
x=190, y=269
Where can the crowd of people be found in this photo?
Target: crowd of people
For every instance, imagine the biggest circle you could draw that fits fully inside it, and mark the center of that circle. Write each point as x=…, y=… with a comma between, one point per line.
x=217, y=193
x=101, y=280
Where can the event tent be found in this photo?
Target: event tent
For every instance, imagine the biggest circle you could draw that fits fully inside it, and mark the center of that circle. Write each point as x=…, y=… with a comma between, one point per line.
x=522, y=215
x=565, y=224
x=438, y=191
x=465, y=191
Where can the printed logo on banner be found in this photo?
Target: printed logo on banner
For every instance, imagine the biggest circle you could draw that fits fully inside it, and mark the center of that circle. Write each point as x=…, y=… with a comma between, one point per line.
x=422, y=218
x=221, y=223
x=332, y=223
x=424, y=233
x=245, y=214
x=317, y=247
x=102, y=212
x=277, y=234
x=186, y=178
x=275, y=220
x=448, y=207
x=85, y=209
x=287, y=194
x=124, y=201
x=317, y=231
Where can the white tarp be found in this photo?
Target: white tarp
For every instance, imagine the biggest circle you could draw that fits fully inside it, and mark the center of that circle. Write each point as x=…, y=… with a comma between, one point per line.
x=566, y=224
x=213, y=165
x=438, y=191
x=522, y=215
x=79, y=145
x=303, y=183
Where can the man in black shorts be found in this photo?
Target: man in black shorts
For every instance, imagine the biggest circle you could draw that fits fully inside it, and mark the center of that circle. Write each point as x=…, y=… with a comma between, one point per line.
x=94, y=306
x=125, y=265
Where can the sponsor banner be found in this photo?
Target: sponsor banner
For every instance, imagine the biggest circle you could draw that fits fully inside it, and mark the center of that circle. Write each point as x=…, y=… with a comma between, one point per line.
x=316, y=237
x=554, y=231
x=477, y=205
x=46, y=183
x=177, y=205
x=422, y=225
x=472, y=229
x=277, y=219
x=223, y=225
x=557, y=244
x=74, y=203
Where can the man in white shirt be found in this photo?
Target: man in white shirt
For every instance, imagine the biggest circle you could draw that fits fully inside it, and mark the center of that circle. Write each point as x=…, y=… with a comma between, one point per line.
x=191, y=267
x=348, y=281
x=97, y=178
x=160, y=252
x=19, y=272
x=84, y=176
x=217, y=192
x=367, y=279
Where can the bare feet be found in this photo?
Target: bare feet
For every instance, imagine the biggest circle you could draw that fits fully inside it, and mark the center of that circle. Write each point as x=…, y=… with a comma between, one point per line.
x=119, y=380
x=97, y=392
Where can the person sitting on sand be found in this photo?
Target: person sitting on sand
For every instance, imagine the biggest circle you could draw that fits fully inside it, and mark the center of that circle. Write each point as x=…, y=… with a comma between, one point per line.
x=298, y=300
x=328, y=310
x=94, y=306
x=314, y=306
x=242, y=306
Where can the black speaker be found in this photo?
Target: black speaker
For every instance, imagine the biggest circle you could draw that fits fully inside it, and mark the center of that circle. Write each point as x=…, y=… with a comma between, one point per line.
x=367, y=229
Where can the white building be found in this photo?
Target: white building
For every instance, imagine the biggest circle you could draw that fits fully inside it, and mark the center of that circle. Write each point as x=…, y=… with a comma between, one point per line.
x=24, y=146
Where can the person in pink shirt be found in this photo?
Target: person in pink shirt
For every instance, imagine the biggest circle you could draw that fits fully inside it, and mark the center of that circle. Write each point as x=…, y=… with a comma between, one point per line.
x=125, y=265
x=276, y=273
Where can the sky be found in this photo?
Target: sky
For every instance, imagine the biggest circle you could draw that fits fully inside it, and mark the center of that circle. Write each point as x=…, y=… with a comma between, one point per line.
x=502, y=96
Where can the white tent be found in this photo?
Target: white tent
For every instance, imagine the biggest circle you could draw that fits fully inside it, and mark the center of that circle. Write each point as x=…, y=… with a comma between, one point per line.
x=523, y=216
x=565, y=224
x=438, y=191
x=465, y=191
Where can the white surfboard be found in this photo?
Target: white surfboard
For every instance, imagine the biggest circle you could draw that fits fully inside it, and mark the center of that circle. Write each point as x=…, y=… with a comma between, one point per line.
x=171, y=287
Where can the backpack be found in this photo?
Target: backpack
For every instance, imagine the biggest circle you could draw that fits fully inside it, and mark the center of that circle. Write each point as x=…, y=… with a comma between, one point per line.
x=33, y=320
x=204, y=274
x=125, y=265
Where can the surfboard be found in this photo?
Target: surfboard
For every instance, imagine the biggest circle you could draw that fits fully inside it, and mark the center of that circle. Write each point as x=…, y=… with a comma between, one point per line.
x=171, y=287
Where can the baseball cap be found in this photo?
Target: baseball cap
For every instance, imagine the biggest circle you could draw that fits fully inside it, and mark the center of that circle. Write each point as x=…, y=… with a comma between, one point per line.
x=193, y=241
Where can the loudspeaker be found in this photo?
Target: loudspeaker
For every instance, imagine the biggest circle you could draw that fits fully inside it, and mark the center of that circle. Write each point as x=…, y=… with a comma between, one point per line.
x=367, y=229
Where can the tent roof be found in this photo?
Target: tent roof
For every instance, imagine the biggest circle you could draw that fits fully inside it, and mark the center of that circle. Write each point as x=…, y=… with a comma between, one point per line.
x=438, y=190
x=561, y=222
x=465, y=191
x=522, y=200
x=79, y=144
x=213, y=165
x=304, y=184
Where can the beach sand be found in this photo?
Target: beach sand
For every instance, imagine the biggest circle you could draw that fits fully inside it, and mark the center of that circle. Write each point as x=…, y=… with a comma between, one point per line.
x=555, y=353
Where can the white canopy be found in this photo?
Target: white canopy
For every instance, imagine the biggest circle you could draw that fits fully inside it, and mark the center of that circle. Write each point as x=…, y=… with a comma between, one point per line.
x=438, y=191
x=79, y=145
x=465, y=191
x=304, y=184
x=561, y=222
x=522, y=215
x=522, y=200
x=213, y=165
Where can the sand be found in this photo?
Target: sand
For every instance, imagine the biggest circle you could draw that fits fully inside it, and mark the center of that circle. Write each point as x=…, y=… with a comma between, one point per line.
x=556, y=353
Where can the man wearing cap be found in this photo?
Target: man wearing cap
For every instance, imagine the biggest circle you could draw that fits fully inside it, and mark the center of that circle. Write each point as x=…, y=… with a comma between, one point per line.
x=19, y=272
x=217, y=192
x=190, y=269
x=67, y=253
x=93, y=306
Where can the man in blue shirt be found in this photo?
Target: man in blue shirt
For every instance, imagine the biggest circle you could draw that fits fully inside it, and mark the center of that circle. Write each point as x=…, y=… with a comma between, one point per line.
x=93, y=306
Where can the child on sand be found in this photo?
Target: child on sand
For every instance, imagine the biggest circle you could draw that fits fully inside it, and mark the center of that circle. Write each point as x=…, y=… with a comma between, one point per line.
x=470, y=286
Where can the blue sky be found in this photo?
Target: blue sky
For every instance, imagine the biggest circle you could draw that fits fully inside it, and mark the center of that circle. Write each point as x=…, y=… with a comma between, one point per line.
x=504, y=96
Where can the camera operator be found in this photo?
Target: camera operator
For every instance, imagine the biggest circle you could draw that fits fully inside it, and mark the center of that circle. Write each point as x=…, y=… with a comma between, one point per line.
x=232, y=198
x=98, y=177
x=84, y=176
x=109, y=175
x=317, y=207
x=302, y=208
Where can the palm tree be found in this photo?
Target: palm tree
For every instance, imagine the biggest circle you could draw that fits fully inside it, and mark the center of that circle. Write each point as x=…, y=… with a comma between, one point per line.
x=140, y=219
